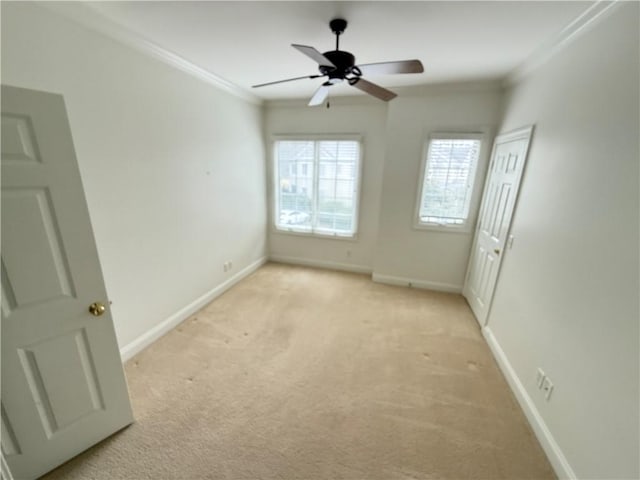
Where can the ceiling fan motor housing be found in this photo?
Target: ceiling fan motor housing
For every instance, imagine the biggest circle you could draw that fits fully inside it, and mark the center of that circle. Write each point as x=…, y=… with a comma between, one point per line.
x=344, y=62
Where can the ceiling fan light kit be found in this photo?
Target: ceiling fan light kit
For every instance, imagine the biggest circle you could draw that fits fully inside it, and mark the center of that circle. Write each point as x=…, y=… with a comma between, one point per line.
x=339, y=66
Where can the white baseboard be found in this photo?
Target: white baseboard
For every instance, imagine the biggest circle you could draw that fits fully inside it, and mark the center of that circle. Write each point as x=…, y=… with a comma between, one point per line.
x=410, y=282
x=346, y=267
x=552, y=449
x=147, y=338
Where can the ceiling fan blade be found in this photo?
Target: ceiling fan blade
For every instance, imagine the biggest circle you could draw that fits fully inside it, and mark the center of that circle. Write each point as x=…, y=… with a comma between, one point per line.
x=320, y=96
x=287, y=80
x=372, y=89
x=387, y=68
x=314, y=54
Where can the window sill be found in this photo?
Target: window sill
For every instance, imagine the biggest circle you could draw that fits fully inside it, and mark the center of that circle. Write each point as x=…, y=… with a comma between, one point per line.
x=308, y=234
x=435, y=227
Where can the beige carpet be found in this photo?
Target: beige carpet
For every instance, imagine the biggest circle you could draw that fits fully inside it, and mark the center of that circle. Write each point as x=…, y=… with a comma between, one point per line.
x=298, y=373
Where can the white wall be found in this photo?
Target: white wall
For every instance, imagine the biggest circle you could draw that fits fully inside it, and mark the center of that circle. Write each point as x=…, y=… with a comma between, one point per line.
x=394, y=134
x=425, y=257
x=173, y=168
x=567, y=297
x=360, y=116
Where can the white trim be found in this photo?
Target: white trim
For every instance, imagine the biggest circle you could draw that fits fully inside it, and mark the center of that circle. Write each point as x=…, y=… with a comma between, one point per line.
x=87, y=16
x=336, y=100
x=309, y=234
x=150, y=336
x=452, y=86
x=437, y=88
x=412, y=282
x=316, y=137
x=555, y=455
x=305, y=262
x=522, y=133
x=5, y=473
x=466, y=226
x=274, y=192
x=552, y=47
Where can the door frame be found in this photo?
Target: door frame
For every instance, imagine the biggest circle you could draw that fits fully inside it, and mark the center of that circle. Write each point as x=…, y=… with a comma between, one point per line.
x=521, y=133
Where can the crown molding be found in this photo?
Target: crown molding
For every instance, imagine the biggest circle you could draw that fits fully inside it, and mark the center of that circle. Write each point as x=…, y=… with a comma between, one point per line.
x=93, y=20
x=334, y=100
x=549, y=49
x=90, y=18
x=444, y=87
x=412, y=91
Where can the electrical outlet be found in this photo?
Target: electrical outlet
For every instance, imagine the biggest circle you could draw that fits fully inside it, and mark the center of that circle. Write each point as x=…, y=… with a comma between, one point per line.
x=547, y=388
x=230, y=263
x=225, y=267
x=540, y=376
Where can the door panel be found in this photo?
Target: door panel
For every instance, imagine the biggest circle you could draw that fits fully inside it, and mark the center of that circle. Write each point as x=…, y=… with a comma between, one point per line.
x=498, y=203
x=18, y=143
x=64, y=360
x=482, y=272
x=63, y=386
x=33, y=238
x=500, y=213
x=10, y=444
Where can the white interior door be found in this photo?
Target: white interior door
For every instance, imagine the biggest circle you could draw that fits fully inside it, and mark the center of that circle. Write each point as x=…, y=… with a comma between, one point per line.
x=63, y=386
x=498, y=202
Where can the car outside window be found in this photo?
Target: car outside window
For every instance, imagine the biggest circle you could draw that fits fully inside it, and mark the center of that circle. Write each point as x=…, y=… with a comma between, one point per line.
x=316, y=183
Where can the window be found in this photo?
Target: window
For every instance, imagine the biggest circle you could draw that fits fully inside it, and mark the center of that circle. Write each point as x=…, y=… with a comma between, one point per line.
x=449, y=169
x=316, y=186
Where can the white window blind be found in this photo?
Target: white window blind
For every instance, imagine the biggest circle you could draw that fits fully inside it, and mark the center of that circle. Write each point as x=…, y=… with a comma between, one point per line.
x=317, y=186
x=447, y=185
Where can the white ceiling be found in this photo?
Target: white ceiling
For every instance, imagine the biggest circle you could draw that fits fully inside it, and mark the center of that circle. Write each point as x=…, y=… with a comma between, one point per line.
x=247, y=43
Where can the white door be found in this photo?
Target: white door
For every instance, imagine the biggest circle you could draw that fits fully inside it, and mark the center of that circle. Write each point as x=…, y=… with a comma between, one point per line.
x=63, y=386
x=498, y=202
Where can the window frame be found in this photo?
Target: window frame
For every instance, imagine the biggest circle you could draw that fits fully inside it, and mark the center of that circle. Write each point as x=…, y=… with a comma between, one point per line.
x=275, y=228
x=469, y=222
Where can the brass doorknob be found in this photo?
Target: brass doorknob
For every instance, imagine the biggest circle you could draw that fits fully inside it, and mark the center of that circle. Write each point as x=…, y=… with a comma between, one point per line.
x=496, y=251
x=96, y=309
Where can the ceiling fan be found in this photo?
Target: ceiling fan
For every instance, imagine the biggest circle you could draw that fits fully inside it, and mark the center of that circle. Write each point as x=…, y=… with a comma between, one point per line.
x=339, y=66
